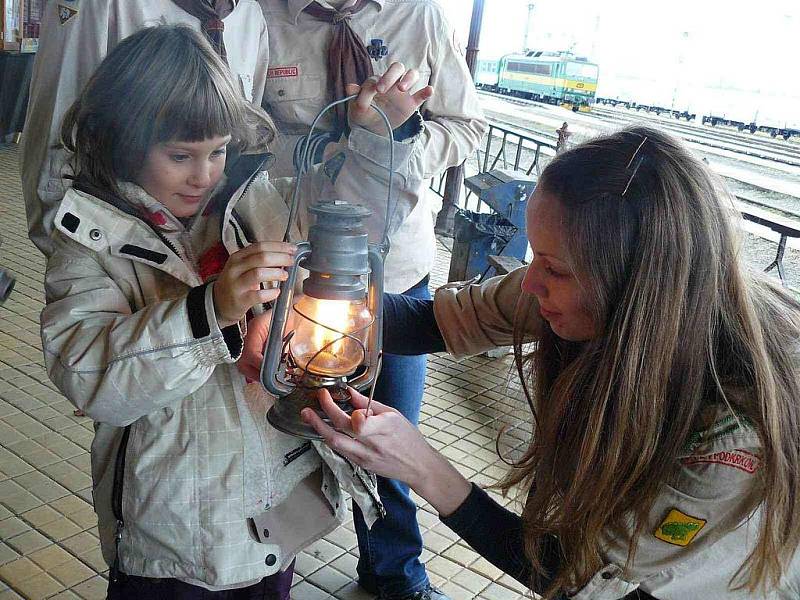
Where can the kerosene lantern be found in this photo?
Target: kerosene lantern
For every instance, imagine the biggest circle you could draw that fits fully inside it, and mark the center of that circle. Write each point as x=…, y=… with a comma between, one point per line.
x=331, y=336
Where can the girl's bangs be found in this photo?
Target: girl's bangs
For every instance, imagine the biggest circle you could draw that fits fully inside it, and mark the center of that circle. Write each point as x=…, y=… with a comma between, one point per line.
x=202, y=109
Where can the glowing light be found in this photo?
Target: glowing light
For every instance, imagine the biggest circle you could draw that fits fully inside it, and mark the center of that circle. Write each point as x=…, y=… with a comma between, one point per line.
x=319, y=344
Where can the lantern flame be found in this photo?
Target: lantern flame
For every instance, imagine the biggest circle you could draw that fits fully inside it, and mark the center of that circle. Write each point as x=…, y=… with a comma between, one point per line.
x=330, y=335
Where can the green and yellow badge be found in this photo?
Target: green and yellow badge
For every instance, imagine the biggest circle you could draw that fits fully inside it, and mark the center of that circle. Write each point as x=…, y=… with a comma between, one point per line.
x=679, y=528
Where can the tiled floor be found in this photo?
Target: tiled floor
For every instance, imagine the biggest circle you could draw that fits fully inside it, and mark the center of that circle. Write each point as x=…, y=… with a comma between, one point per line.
x=48, y=539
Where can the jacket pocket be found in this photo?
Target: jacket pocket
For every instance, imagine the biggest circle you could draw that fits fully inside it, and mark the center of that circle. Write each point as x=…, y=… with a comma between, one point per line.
x=292, y=88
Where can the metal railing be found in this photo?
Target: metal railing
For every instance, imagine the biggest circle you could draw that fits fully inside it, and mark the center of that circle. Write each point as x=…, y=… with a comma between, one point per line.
x=527, y=152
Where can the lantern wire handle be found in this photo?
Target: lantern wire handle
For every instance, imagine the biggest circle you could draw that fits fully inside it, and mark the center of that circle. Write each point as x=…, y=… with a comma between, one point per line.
x=374, y=383
x=304, y=166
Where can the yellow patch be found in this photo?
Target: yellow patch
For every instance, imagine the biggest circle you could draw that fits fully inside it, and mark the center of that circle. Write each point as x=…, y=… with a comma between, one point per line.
x=679, y=528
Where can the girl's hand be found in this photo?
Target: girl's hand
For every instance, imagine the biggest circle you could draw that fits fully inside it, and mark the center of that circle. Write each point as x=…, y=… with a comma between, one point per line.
x=238, y=287
x=391, y=93
x=386, y=443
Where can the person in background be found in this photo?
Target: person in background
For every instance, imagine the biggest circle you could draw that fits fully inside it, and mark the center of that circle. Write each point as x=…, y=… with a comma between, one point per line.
x=76, y=36
x=321, y=51
x=663, y=387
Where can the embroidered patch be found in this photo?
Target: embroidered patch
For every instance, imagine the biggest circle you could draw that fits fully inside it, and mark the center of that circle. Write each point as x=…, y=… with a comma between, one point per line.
x=679, y=528
x=377, y=49
x=65, y=13
x=738, y=459
x=276, y=72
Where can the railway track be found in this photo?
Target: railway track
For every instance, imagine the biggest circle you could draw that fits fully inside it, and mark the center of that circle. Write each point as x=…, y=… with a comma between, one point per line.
x=783, y=153
x=781, y=204
x=722, y=140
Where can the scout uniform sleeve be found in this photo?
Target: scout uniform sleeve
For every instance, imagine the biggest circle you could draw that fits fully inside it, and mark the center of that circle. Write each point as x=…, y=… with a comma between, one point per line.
x=117, y=364
x=702, y=526
x=73, y=42
x=454, y=120
x=476, y=318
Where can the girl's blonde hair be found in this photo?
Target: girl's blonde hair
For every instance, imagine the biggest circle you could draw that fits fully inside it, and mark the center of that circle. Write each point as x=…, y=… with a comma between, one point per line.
x=652, y=239
x=161, y=84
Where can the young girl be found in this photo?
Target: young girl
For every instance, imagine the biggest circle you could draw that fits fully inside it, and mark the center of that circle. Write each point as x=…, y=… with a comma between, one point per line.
x=154, y=270
x=664, y=389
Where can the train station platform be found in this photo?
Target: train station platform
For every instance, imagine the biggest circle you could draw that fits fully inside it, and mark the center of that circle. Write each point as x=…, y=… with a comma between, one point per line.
x=48, y=538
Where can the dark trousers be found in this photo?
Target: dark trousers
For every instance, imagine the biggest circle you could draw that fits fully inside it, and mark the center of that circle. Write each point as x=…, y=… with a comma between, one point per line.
x=389, y=562
x=127, y=587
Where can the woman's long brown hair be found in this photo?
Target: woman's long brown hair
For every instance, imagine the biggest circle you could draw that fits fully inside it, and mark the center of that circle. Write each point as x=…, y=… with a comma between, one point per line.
x=652, y=239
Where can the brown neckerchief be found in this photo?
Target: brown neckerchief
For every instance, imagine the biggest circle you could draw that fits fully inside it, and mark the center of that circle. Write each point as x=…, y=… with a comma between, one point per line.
x=348, y=60
x=211, y=13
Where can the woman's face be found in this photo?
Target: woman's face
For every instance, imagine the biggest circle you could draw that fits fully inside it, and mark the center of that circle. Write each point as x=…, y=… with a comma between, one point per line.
x=549, y=276
x=180, y=175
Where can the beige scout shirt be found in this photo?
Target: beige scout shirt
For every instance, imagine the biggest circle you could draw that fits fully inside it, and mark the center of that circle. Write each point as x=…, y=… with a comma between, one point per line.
x=76, y=36
x=416, y=33
x=702, y=526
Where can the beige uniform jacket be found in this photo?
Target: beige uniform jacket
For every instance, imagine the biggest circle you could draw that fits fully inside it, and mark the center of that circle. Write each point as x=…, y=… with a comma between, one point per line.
x=76, y=36
x=130, y=336
x=414, y=32
x=701, y=528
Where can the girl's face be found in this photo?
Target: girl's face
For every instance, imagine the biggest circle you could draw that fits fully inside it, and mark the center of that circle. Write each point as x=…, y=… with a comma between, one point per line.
x=549, y=276
x=180, y=175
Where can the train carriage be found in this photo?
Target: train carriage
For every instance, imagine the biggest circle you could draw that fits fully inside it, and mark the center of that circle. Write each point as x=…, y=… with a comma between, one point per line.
x=555, y=77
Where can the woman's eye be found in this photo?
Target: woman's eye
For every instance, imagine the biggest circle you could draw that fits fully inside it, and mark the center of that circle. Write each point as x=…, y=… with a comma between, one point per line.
x=553, y=272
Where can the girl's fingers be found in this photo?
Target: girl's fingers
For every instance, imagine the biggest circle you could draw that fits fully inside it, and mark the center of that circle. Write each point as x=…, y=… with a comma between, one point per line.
x=259, y=260
x=255, y=277
x=255, y=297
x=278, y=247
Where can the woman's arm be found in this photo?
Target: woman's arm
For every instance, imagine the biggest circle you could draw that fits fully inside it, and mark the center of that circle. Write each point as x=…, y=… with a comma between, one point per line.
x=492, y=531
x=387, y=444
x=409, y=326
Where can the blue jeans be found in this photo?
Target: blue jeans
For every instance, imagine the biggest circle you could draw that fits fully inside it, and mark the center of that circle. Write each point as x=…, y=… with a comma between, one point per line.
x=389, y=553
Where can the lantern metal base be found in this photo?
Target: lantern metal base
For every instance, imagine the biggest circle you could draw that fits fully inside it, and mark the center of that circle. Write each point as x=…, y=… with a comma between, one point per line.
x=285, y=413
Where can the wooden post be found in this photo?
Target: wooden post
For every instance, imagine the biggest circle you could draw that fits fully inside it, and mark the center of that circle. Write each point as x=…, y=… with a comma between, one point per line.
x=455, y=175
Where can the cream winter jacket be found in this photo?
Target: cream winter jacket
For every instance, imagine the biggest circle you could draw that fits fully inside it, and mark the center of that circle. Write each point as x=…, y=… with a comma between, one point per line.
x=130, y=337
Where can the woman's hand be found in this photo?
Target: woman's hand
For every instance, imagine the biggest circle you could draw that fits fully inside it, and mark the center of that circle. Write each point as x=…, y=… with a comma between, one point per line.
x=386, y=443
x=390, y=93
x=238, y=287
x=249, y=362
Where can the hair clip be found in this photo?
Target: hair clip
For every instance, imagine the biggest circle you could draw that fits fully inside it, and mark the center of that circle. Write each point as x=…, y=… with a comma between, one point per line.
x=636, y=168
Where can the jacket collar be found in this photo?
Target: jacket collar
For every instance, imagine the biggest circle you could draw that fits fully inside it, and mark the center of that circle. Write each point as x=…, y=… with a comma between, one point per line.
x=102, y=221
x=297, y=6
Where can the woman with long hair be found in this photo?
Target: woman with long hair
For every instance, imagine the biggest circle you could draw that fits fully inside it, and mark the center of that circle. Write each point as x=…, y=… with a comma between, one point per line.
x=663, y=387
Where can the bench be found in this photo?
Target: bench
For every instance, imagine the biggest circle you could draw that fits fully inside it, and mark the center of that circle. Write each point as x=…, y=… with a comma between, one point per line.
x=783, y=226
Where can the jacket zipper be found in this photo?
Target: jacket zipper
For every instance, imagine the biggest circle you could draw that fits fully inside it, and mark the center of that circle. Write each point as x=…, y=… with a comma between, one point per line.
x=116, y=501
